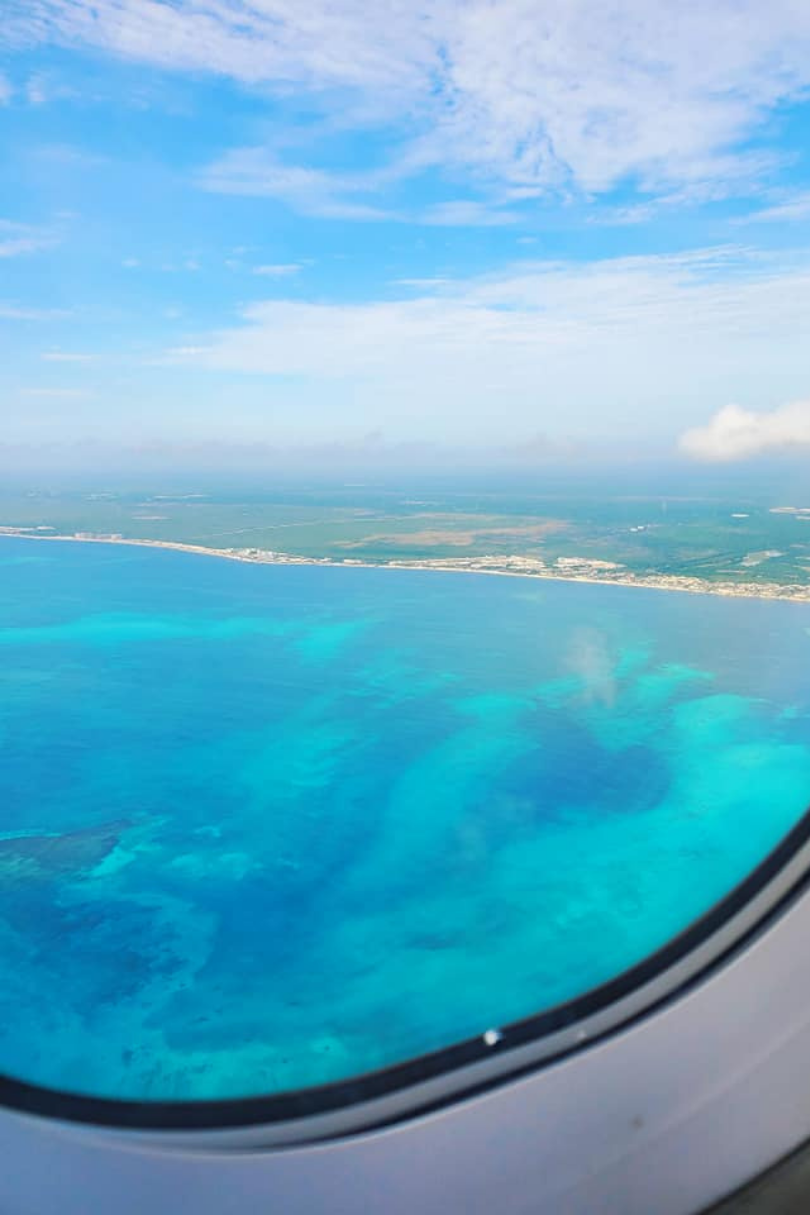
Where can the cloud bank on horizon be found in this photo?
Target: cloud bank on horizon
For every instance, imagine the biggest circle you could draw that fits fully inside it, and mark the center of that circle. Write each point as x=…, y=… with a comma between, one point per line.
x=738, y=434
x=266, y=221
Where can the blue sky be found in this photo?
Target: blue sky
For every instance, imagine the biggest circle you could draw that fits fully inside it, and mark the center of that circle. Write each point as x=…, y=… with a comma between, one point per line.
x=517, y=228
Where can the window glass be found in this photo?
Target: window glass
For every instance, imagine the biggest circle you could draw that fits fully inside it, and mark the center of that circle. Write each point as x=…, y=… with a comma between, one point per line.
x=272, y=826
x=404, y=508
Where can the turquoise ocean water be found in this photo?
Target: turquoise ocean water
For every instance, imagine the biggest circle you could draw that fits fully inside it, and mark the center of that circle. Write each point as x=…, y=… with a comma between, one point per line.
x=266, y=827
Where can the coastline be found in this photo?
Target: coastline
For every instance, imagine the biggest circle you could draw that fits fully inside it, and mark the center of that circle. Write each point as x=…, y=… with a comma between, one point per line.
x=504, y=567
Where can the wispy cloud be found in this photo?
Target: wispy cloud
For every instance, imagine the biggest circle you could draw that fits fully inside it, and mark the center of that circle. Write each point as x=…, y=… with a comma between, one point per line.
x=35, y=91
x=465, y=213
x=560, y=96
x=258, y=172
x=68, y=154
x=252, y=42
x=738, y=434
x=616, y=217
x=633, y=341
x=424, y=284
x=66, y=356
x=42, y=88
x=792, y=208
x=6, y=91
x=21, y=312
x=279, y=270
x=17, y=239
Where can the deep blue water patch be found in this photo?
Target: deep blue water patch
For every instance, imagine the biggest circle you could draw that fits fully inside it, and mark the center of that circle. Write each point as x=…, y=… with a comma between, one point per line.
x=266, y=827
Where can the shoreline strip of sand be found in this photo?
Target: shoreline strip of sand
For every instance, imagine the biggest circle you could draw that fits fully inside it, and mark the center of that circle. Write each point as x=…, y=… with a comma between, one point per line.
x=791, y=593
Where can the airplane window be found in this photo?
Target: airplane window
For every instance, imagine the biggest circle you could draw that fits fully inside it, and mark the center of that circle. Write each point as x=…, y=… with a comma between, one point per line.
x=404, y=537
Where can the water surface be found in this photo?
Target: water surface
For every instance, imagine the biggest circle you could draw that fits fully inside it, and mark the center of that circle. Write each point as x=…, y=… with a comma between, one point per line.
x=265, y=827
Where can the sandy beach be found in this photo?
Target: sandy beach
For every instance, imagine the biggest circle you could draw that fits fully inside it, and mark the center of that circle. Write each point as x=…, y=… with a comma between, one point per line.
x=504, y=567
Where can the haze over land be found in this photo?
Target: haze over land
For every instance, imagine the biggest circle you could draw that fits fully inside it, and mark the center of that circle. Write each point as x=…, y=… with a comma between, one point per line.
x=662, y=529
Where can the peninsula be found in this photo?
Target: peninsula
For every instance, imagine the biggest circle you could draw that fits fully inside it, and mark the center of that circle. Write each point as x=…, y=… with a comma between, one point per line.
x=561, y=569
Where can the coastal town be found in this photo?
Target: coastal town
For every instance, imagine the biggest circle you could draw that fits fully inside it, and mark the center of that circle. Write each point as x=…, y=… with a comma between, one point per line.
x=560, y=569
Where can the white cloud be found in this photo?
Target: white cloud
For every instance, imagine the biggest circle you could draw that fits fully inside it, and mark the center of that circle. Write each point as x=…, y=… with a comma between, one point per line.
x=254, y=41
x=793, y=208
x=36, y=90
x=65, y=356
x=42, y=88
x=464, y=213
x=422, y=284
x=281, y=270
x=21, y=312
x=17, y=239
x=66, y=154
x=736, y=434
x=532, y=95
x=190, y=264
x=6, y=91
x=259, y=173
x=623, y=345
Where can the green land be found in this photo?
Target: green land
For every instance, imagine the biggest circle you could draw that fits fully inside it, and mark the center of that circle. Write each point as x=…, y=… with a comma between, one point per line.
x=720, y=544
